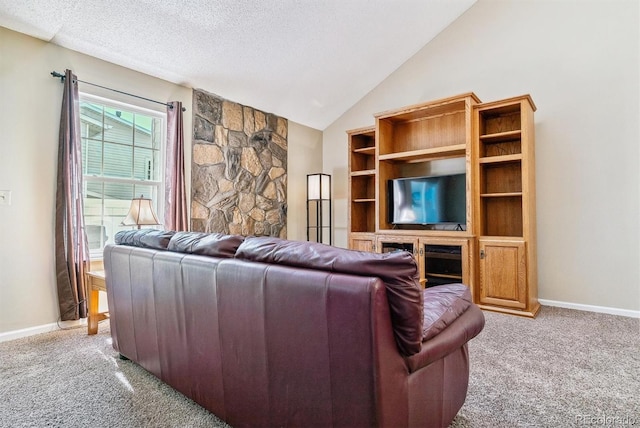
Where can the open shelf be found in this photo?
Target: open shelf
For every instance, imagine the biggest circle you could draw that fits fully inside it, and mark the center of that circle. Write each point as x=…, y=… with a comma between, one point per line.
x=504, y=120
x=456, y=150
x=503, y=177
x=437, y=124
x=500, y=195
x=427, y=133
x=500, y=159
x=499, y=137
x=363, y=187
x=360, y=162
x=363, y=173
x=502, y=216
x=365, y=150
x=362, y=146
x=363, y=139
x=363, y=216
x=500, y=146
x=500, y=149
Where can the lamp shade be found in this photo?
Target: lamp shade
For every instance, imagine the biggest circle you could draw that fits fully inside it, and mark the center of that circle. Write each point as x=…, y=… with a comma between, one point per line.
x=318, y=186
x=140, y=213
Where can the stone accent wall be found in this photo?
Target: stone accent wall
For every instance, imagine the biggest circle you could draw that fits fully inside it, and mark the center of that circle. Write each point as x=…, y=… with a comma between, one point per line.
x=239, y=169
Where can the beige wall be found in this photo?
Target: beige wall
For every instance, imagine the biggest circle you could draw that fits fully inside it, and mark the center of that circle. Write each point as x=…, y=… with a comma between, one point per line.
x=28, y=159
x=579, y=61
x=304, y=157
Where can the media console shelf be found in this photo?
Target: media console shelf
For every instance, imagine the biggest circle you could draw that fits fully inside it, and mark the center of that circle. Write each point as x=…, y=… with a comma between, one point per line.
x=494, y=252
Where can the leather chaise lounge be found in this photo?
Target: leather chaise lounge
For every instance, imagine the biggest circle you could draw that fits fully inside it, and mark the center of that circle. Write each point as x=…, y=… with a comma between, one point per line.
x=268, y=332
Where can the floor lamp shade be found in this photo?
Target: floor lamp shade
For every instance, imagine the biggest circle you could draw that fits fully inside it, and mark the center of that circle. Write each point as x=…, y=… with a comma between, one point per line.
x=318, y=186
x=140, y=213
x=319, y=208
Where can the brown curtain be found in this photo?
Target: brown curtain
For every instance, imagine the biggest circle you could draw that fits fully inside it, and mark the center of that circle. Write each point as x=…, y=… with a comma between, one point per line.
x=175, y=211
x=71, y=249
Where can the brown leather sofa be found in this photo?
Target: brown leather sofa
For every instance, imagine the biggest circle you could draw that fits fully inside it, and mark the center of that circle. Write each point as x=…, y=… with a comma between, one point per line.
x=267, y=332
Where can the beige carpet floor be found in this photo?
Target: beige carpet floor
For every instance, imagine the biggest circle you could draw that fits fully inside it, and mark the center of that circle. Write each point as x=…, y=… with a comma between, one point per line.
x=565, y=368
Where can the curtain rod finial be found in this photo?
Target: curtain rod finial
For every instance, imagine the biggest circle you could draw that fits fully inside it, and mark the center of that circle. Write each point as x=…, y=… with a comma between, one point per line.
x=56, y=74
x=170, y=105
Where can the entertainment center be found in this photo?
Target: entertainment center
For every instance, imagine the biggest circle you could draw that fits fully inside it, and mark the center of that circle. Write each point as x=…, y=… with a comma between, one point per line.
x=402, y=195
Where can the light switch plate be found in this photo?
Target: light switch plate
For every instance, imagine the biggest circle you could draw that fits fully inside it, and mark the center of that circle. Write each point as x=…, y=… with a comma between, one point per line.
x=5, y=197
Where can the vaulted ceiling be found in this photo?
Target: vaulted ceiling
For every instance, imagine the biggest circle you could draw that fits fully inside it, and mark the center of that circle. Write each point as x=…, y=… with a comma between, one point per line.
x=308, y=61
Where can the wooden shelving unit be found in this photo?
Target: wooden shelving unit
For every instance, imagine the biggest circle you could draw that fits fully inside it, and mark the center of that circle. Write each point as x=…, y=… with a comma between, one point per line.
x=362, y=188
x=495, y=253
x=505, y=197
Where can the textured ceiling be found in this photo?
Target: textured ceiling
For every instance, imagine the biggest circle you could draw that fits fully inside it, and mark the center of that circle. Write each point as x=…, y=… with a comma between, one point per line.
x=308, y=61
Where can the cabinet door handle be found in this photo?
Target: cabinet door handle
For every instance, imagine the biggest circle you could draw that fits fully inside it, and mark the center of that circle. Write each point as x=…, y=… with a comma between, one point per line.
x=482, y=254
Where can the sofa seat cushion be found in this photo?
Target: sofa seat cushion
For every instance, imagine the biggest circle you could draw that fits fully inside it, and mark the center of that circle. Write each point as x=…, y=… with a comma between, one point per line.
x=205, y=244
x=443, y=304
x=398, y=271
x=144, y=238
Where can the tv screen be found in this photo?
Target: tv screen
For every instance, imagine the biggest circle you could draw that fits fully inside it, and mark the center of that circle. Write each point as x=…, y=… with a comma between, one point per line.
x=428, y=200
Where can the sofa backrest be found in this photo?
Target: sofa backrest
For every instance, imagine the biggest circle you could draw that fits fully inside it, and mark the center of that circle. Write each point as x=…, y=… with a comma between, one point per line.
x=205, y=244
x=145, y=238
x=398, y=270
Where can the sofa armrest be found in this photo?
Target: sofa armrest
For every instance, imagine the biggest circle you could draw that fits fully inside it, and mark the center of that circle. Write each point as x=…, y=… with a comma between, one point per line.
x=463, y=329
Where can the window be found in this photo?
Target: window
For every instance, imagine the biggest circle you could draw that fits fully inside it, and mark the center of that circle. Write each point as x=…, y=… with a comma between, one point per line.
x=122, y=157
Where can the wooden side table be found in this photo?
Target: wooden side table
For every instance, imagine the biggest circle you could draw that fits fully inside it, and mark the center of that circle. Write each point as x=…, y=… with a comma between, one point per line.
x=95, y=284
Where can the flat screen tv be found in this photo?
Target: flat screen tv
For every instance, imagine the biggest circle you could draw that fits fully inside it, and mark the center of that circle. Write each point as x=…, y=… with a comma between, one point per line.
x=428, y=200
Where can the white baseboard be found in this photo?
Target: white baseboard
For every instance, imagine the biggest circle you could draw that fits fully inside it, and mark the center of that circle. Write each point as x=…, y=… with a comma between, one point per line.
x=46, y=328
x=591, y=308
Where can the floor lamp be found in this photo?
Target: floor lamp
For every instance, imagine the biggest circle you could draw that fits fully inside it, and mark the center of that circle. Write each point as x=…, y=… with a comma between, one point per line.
x=319, y=208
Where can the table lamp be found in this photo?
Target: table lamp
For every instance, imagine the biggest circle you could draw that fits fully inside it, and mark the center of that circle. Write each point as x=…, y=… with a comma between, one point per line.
x=140, y=213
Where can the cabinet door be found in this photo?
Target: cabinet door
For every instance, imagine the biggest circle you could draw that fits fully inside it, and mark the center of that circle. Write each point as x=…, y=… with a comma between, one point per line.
x=363, y=243
x=503, y=273
x=444, y=261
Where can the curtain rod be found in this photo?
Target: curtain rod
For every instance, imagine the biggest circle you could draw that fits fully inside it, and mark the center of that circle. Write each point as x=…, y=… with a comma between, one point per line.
x=62, y=76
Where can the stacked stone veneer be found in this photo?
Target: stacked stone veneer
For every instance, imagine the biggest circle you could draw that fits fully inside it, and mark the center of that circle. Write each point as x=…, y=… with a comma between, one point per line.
x=239, y=170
